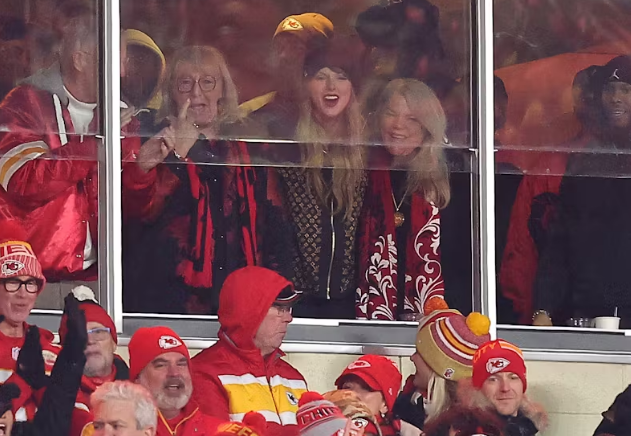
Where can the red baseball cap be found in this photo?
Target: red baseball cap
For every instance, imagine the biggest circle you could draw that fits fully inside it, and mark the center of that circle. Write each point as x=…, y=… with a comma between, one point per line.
x=379, y=373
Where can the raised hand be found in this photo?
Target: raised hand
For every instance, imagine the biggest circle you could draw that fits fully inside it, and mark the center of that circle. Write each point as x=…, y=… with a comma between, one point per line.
x=155, y=150
x=30, y=364
x=186, y=133
x=76, y=339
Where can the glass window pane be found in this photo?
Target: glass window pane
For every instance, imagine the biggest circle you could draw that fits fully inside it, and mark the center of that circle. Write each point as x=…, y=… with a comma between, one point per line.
x=562, y=166
x=49, y=138
x=329, y=141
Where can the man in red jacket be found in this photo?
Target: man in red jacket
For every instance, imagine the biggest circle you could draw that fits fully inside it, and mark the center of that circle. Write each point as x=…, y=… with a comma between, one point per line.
x=244, y=371
x=159, y=361
x=49, y=153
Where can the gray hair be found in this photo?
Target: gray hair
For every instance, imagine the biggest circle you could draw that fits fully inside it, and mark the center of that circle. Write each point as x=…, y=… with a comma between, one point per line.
x=79, y=31
x=145, y=409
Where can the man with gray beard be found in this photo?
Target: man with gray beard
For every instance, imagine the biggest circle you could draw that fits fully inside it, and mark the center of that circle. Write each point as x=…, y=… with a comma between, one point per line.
x=160, y=362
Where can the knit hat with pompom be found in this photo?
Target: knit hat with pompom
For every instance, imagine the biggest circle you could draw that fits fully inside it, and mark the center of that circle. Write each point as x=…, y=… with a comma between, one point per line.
x=447, y=341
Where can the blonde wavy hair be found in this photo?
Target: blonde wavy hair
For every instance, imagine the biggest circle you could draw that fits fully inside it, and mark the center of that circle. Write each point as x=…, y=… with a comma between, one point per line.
x=228, y=110
x=441, y=395
x=343, y=154
x=427, y=169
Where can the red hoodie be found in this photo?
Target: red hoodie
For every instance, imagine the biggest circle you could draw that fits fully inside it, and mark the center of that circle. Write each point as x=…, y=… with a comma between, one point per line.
x=232, y=378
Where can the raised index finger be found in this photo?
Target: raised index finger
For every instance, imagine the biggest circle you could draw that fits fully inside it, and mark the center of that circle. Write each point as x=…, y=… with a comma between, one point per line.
x=184, y=110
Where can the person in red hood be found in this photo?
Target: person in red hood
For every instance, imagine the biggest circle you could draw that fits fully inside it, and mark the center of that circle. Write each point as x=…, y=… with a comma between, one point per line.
x=160, y=362
x=244, y=371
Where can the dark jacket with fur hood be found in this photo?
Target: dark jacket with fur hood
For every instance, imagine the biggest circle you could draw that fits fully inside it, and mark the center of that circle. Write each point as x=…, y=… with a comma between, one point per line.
x=530, y=420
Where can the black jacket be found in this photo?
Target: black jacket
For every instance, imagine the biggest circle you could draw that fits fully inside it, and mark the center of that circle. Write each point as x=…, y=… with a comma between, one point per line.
x=584, y=264
x=519, y=425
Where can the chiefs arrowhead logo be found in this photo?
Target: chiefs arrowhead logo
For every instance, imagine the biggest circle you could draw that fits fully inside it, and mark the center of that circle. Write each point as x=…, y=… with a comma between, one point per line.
x=292, y=399
x=497, y=364
x=359, y=364
x=292, y=24
x=360, y=422
x=167, y=342
x=449, y=373
x=11, y=267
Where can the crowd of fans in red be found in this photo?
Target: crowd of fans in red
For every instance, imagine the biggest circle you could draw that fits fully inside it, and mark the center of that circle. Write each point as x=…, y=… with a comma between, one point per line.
x=325, y=197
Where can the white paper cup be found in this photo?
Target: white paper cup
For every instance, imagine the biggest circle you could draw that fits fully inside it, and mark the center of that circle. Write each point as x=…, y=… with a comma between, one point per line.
x=607, y=322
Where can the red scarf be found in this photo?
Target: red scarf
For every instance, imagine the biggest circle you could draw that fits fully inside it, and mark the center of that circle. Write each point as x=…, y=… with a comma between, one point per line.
x=197, y=267
x=378, y=273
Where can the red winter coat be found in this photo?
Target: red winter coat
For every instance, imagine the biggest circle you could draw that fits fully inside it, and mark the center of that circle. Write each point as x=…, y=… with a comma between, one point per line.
x=539, y=188
x=232, y=378
x=50, y=175
x=191, y=422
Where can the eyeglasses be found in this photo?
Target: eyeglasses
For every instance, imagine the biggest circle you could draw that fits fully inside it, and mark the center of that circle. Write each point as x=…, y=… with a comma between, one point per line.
x=100, y=333
x=281, y=308
x=186, y=84
x=32, y=286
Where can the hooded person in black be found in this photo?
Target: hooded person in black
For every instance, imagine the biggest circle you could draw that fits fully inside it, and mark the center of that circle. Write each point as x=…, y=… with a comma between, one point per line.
x=583, y=270
x=54, y=413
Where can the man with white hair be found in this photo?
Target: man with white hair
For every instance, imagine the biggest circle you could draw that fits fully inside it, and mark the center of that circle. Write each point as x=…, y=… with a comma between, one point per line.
x=160, y=361
x=123, y=408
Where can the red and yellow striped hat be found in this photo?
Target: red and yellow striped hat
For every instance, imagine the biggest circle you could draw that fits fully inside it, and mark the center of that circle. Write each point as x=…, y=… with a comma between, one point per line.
x=447, y=341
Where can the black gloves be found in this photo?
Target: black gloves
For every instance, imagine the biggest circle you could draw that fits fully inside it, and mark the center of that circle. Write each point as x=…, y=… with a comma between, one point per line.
x=30, y=364
x=76, y=339
x=8, y=392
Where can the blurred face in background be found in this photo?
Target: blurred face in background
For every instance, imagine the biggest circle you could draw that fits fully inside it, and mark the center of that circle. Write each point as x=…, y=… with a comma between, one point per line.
x=616, y=103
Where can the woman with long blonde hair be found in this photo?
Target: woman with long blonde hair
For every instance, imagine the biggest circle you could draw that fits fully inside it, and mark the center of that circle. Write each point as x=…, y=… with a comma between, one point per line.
x=325, y=196
x=399, y=230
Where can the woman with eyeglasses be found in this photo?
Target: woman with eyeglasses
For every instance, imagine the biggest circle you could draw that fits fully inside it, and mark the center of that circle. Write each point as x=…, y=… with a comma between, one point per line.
x=208, y=202
x=21, y=281
x=324, y=195
x=399, y=231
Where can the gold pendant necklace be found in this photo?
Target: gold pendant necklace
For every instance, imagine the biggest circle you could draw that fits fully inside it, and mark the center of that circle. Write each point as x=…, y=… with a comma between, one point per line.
x=399, y=218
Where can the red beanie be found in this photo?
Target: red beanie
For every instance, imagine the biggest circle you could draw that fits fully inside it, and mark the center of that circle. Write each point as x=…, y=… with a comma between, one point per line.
x=93, y=313
x=495, y=357
x=319, y=417
x=17, y=258
x=253, y=424
x=150, y=342
x=379, y=373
